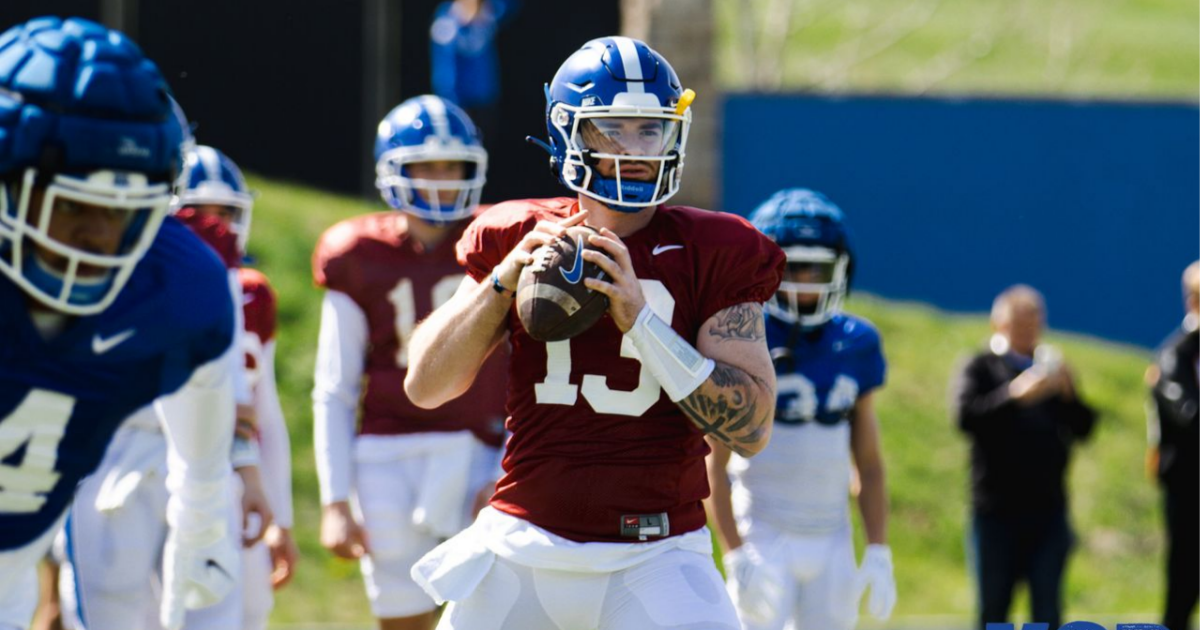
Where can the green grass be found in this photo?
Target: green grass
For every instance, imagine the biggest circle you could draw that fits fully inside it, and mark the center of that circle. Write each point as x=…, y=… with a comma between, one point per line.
x=1116, y=569
x=1114, y=506
x=1076, y=48
x=287, y=221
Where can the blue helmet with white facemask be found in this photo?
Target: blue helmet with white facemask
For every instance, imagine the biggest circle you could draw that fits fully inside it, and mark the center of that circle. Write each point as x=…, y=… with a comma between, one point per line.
x=429, y=129
x=210, y=177
x=85, y=123
x=616, y=105
x=812, y=232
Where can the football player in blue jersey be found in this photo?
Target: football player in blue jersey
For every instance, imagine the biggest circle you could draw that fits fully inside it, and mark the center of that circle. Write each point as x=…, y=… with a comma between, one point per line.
x=115, y=536
x=105, y=305
x=784, y=521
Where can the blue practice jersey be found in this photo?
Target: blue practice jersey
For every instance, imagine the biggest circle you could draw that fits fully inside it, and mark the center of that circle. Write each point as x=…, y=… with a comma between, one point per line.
x=824, y=371
x=820, y=376
x=62, y=400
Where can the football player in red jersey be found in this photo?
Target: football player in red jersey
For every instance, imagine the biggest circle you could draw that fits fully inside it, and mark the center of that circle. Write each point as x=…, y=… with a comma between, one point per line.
x=412, y=474
x=214, y=186
x=598, y=521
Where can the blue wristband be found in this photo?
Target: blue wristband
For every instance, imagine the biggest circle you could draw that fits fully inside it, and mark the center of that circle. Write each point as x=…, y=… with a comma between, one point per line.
x=499, y=288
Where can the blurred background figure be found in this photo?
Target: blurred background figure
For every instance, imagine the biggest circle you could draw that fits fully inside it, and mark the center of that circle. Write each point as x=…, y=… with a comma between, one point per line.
x=466, y=67
x=1017, y=403
x=213, y=186
x=789, y=546
x=395, y=479
x=1175, y=452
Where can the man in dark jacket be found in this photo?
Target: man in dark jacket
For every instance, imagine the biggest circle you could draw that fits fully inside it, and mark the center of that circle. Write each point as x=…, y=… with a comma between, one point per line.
x=1017, y=403
x=1175, y=452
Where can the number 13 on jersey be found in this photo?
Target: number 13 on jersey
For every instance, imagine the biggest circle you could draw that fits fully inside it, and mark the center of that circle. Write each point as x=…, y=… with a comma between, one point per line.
x=558, y=390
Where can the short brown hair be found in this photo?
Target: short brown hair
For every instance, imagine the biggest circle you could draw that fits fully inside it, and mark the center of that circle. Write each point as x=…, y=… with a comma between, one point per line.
x=1018, y=294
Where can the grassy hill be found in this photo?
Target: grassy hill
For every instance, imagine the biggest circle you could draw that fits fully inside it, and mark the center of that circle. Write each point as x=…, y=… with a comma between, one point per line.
x=1116, y=569
x=1076, y=48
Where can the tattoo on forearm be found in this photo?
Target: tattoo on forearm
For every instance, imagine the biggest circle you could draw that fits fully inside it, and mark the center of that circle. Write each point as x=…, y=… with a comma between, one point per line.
x=728, y=409
x=726, y=376
x=742, y=321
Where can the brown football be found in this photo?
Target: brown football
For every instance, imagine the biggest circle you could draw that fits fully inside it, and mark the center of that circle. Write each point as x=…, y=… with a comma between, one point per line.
x=552, y=300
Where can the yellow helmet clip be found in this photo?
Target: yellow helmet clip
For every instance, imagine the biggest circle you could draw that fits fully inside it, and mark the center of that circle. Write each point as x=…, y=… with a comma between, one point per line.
x=685, y=101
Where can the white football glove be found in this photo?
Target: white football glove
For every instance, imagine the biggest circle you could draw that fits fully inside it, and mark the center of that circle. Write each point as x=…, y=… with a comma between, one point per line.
x=201, y=563
x=757, y=588
x=876, y=573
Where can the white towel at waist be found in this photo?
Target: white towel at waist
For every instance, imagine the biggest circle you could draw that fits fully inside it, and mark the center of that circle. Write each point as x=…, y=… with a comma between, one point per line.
x=441, y=499
x=454, y=568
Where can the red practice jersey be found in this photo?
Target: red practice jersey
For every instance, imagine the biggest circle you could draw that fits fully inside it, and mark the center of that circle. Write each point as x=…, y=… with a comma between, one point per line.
x=397, y=283
x=258, y=306
x=214, y=233
x=594, y=437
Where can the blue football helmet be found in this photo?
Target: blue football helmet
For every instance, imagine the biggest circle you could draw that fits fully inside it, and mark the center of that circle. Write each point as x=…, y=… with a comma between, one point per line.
x=812, y=233
x=86, y=126
x=617, y=99
x=210, y=177
x=429, y=129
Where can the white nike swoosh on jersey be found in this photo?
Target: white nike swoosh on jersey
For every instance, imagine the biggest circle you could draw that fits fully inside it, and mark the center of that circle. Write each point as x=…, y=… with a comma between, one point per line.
x=658, y=249
x=101, y=345
x=247, y=298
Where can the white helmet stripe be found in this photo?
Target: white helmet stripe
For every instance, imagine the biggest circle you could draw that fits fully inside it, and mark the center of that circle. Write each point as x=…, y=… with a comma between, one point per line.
x=210, y=162
x=633, y=66
x=437, y=115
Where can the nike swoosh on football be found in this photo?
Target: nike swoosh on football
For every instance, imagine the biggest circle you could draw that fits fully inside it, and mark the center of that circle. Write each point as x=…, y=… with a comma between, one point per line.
x=101, y=345
x=658, y=249
x=576, y=272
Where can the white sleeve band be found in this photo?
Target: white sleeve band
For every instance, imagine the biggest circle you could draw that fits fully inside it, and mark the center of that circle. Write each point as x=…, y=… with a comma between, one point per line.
x=244, y=452
x=274, y=440
x=674, y=362
x=341, y=351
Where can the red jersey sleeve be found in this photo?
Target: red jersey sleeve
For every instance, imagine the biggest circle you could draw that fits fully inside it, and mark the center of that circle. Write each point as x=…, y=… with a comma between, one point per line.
x=495, y=232
x=744, y=266
x=331, y=267
x=215, y=234
x=258, y=303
